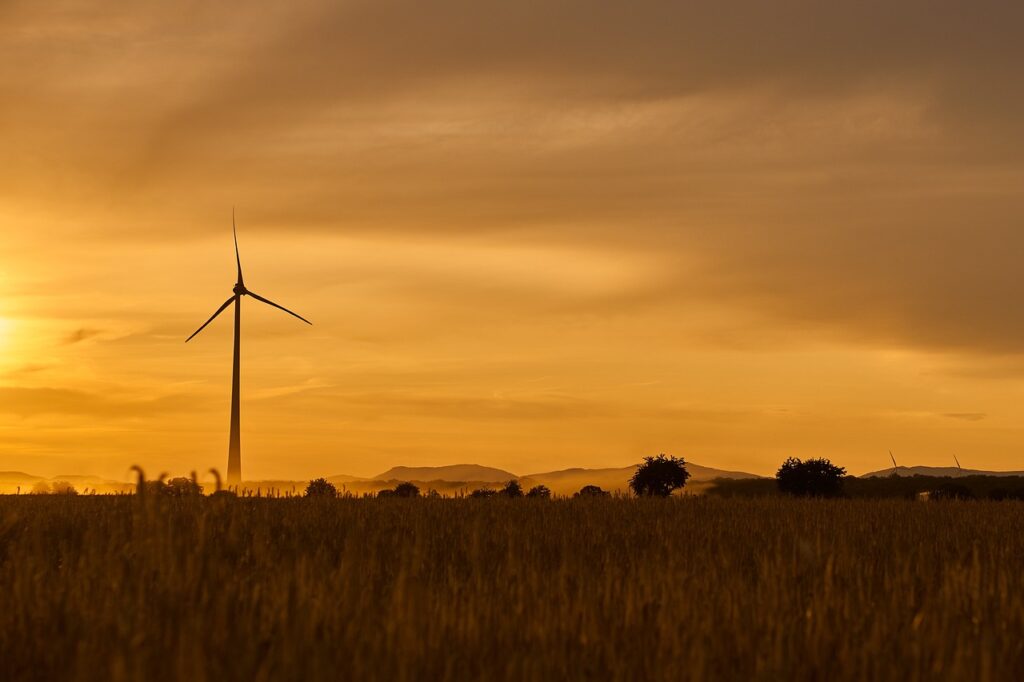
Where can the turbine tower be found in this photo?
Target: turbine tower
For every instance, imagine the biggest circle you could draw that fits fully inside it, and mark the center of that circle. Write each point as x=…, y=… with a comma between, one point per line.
x=234, y=442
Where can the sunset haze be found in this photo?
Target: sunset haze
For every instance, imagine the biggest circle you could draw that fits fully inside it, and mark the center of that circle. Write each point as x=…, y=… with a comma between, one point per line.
x=530, y=236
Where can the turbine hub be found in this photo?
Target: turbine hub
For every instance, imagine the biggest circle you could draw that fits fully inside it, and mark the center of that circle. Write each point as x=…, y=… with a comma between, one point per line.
x=240, y=289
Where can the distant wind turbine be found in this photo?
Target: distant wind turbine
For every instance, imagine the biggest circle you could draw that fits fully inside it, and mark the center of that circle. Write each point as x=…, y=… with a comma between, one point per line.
x=895, y=469
x=958, y=464
x=234, y=442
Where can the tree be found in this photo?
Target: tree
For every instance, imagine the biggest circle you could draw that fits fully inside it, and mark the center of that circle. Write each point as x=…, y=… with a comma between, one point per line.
x=157, y=487
x=659, y=476
x=321, y=487
x=810, y=478
x=512, y=489
x=63, y=488
x=183, y=487
x=41, y=488
x=407, y=489
x=483, y=492
x=592, y=491
x=539, y=491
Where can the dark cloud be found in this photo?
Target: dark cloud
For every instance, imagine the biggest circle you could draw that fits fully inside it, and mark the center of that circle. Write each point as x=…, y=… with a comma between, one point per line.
x=846, y=167
x=966, y=416
x=81, y=334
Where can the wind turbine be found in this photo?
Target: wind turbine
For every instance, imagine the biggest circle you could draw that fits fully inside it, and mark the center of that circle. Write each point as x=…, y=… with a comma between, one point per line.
x=895, y=469
x=960, y=468
x=234, y=442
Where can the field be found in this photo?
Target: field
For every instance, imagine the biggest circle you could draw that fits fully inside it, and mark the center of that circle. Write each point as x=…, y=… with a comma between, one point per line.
x=123, y=588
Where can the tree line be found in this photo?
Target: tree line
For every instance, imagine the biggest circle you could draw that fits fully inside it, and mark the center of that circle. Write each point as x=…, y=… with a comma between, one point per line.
x=657, y=476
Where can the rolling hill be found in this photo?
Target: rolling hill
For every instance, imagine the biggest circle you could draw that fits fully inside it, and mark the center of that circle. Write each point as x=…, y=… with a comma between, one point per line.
x=19, y=481
x=452, y=472
x=953, y=472
x=568, y=481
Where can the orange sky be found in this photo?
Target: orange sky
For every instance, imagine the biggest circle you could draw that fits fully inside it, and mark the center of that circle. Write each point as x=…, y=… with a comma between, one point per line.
x=532, y=236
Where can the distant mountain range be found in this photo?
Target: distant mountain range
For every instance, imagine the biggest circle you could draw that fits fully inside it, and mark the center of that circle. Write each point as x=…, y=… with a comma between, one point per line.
x=564, y=481
x=454, y=478
x=445, y=479
x=13, y=481
x=954, y=472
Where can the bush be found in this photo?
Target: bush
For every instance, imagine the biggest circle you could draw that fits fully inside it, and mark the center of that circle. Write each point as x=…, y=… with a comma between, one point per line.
x=483, y=492
x=591, y=491
x=811, y=478
x=539, y=491
x=41, y=488
x=321, y=487
x=512, y=489
x=659, y=476
x=407, y=490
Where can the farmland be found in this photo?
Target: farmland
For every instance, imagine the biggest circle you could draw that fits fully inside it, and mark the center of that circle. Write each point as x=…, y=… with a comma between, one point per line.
x=217, y=588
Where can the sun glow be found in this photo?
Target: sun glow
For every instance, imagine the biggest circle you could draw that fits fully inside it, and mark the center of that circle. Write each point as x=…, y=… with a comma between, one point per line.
x=6, y=327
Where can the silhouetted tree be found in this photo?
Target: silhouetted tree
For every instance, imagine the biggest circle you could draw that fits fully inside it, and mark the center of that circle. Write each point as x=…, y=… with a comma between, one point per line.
x=592, y=491
x=483, y=492
x=183, y=487
x=407, y=489
x=321, y=487
x=63, y=488
x=157, y=487
x=387, y=492
x=539, y=491
x=659, y=476
x=512, y=489
x=810, y=478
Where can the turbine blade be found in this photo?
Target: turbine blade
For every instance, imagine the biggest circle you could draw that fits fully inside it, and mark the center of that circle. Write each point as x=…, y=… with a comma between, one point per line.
x=219, y=311
x=268, y=302
x=238, y=259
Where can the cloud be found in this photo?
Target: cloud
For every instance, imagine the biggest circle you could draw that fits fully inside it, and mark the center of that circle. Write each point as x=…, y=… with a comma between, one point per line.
x=37, y=401
x=81, y=334
x=27, y=369
x=966, y=416
x=847, y=167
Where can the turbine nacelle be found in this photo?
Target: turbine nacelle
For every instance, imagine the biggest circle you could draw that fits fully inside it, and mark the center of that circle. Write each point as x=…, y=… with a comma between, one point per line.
x=240, y=289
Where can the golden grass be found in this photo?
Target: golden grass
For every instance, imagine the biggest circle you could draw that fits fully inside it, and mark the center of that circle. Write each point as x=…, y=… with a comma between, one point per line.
x=98, y=588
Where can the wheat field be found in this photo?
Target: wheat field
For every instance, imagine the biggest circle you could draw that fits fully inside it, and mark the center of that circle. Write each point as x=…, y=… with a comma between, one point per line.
x=123, y=588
